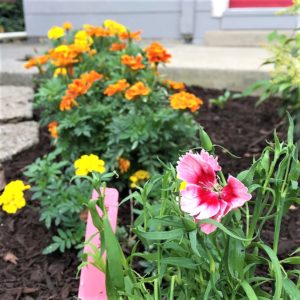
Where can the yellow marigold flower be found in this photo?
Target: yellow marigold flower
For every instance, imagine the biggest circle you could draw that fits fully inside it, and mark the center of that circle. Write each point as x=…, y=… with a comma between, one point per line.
x=138, y=89
x=60, y=71
x=67, y=26
x=124, y=164
x=12, y=198
x=133, y=185
x=138, y=176
x=184, y=100
x=141, y=174
x=81, y=38
x=89, y=163
x=55, y=33
x=114, y=27
x=117, y=87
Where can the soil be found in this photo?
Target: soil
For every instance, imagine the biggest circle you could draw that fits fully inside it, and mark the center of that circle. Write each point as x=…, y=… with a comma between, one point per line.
x=240, y=127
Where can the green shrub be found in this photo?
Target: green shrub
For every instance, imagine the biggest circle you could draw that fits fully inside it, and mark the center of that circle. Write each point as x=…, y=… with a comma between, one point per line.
x=59, y=206
x=11, y=16
x=100, y=92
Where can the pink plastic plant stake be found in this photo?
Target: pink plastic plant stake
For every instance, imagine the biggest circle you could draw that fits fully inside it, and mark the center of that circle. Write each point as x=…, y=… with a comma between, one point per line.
x=92, y=281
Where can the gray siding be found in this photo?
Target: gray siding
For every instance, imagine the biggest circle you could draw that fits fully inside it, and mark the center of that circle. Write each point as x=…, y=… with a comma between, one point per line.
x=158, y=19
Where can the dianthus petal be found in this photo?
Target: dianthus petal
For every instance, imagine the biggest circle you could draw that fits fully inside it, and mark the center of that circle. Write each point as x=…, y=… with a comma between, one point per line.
x=235, y=193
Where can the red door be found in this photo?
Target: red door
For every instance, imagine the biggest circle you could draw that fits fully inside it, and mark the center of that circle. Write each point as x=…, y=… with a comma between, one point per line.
x=259, y=3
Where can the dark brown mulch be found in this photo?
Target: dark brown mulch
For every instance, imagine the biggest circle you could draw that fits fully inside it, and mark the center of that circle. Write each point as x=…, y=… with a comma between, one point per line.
x=239, y=127
x=33, y=276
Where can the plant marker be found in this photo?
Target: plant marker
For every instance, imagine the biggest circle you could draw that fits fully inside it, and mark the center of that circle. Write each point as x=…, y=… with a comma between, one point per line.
x=92, y=281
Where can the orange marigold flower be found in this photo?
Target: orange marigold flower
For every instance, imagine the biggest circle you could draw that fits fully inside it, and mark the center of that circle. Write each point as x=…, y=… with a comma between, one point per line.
x=67, y=102
x=124, y=164
x=64, y=55
x=117, y=46
x=130, y=35
x=178, y=86
x=157, y=53
x=77, y=88
x=91, y=76
x=52, y=128
x=134, y=63
x=92, y=52
x=117, y=87
x=96, y=31
x=138, y=89
x=67, y=26
x=36, y=61
x=185, y=100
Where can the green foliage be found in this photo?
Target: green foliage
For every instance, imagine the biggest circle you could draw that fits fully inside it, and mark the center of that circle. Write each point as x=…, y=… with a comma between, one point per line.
x=59, y=206
x=11, y=16
x=285, y=79
x=223, y=99
x=184, y=263
x=140, y=131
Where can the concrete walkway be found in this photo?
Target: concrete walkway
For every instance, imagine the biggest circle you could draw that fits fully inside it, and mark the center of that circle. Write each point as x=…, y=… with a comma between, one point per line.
x=233, y=68
x=230, y=68
x=17, y=130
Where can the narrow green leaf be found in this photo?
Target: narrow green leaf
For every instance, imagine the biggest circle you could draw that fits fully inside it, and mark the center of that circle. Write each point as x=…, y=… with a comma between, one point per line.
x=223, y=228
x=291, y=260
x=247, y=176
x=291, y=289
x=248, y=290
x=277, y=270
x=290, y=130
x=159, y=235
x=181, y=262
x=193, y=240
x=113, y=256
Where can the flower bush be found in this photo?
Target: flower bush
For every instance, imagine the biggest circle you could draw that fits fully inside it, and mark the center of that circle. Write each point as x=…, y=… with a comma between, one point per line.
x=203, y=239
x=99, y=92
x=61, y=205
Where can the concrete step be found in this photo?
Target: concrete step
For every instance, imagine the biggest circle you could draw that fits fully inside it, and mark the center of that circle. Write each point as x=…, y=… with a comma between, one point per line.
x=13, y=58
x=217, y=67
x=211, y=67
x=16, y=138
x=15, y=103
x=235, y=38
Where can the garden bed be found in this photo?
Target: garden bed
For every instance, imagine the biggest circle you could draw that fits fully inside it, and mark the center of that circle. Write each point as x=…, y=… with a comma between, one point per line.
x=240, y=127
